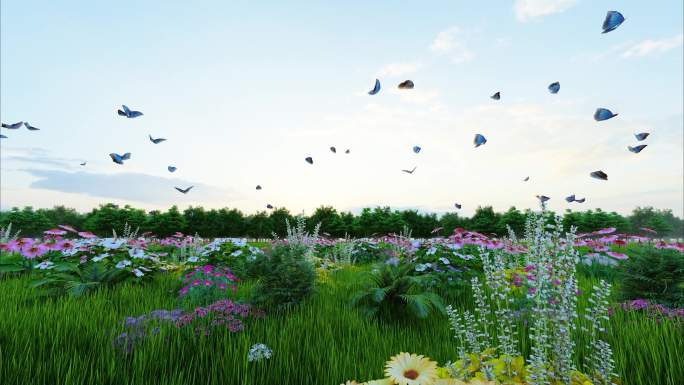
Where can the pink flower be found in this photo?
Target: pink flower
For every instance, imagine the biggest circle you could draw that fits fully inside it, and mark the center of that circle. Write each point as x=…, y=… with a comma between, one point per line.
x=207, y=282
x=86, y=234
x=617, y=255
x=601, y=248
x=529, y=268
x=12, y=246
x=531, y=290
x=54, y=232
x=608, y=230
x=34, y=250
x=24, y=242
x=648, y=230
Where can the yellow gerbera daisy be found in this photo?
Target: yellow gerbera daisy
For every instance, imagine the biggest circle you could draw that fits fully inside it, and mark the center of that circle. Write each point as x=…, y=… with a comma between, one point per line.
x=411, y=369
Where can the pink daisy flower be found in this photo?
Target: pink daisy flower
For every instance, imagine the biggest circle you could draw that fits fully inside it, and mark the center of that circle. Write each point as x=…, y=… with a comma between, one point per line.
x=68, y=228
x=34, y=250
x=86, y=234
x=617, y=255
x=54, y=232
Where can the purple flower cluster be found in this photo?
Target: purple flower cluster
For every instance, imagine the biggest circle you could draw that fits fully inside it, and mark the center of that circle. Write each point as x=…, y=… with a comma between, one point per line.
x=657, y=311
x=224, y=313
x=138, y=328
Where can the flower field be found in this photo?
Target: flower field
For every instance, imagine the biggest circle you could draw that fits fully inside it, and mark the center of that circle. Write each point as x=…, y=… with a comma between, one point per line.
x=467, y=308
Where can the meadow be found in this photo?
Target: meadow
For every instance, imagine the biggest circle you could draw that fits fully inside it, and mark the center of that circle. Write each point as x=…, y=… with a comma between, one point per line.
x=68, y=339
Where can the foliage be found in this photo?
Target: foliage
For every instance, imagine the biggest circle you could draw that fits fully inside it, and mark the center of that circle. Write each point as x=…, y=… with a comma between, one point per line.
x=78, y=279
x=653, y=274
x=395, y=294
x=205, y=284
x=287, y=280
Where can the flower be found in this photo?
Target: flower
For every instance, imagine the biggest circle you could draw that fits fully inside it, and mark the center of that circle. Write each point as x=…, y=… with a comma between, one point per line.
x=111, y=243
x=68, y=228
x=444, y=260
x=411, y=369
x=54, y=232
x=138, y=273
x=617, y=255
x=259, y=352
x=123, y=264
x=193, y=259
x=394, y=261
x=86, y=234
x=45, y=265
x=34, y=250
x=236, y=253
x=384, y=381
x=100, y=257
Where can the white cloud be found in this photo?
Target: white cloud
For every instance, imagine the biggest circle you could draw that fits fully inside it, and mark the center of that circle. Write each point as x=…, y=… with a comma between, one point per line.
x=653, y=47
x=526, y=10
x=450, y=42
x=399, y=69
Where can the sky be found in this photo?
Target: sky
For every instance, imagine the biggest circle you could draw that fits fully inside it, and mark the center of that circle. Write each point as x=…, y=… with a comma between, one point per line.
x=243, y=91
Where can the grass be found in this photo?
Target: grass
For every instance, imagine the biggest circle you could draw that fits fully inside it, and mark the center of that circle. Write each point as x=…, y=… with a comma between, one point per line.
x=69, y=340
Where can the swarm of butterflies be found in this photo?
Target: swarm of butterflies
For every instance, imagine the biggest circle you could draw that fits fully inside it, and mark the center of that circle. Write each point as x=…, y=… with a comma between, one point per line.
x=612, y=21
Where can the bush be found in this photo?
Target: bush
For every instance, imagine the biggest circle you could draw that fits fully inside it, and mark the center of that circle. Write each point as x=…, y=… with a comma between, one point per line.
x=395, y=294
x=654, y=274
x=287, y=278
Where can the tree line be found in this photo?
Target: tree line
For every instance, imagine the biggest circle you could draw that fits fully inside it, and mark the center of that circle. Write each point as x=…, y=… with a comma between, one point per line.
x=228, y=222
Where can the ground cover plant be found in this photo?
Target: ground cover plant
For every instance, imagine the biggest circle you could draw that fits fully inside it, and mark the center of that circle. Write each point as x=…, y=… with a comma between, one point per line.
x=337, y=324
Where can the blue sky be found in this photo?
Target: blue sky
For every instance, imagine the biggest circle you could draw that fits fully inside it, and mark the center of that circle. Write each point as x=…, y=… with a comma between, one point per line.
x=244, y=91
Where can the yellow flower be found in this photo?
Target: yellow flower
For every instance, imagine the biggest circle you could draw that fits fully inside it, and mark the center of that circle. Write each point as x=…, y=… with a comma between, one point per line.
x=411, y=369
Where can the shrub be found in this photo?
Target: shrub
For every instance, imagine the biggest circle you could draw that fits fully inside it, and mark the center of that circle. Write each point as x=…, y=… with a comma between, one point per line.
x=206, y=284
x=287, y=278
x=395, y=294
x=654, y=274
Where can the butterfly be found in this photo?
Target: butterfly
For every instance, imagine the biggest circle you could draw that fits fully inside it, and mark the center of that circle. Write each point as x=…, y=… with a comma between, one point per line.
x=376, y=88
x=171, y=168
x=83, y=164
x=554, y=87
x=637, y=149
x=116, y=158
x=416, y=149
x=128, y=112
x=347, y=151
x=12, y=126
x=184, y=191
x=603, y=114
x=612, y=21
x=457, y=205
x=406, y=85
x=409, y=172
x=479, y=140
x=269, y=206
x=496, y=96
x=258, y=187
x=641, y=136
x=2, y=136
x=30, y=127
x=526, y=179
x=572, y=198
x=156, y=141
x=543, y=198
x=309, y=160
x=333, y=149
x=599, y=175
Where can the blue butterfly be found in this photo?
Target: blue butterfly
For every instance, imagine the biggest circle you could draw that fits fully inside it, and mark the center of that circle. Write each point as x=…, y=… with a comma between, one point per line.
x=156, y=141
x=376, y=88
x=171, y=168
x=309, y=160
x=612, y=21
x=116, y=158
x=637, y=149
x=543, y=198
x=416, y=149
x=496, y=96
x=127, y=112
x=184, y=191
x=457, y=205
x=12, y=126
x=554, y=87
x=599, y=175
x=30, y=127
x=269, y=206
x=641, y=136
x=603, y=114
x=2, y=136
x=479, y=140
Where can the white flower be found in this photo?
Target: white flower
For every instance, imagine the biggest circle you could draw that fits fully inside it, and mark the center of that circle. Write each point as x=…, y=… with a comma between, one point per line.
x=431, y=250
x=444, y=260
x=239, y=242
x=193, y=259
x=259, y=352
x=416, y=244
x=70, y=252
x=111, y=243
x=255, y=250
x=465, y=257
x=236, y=253
x=454, y=246
x=422, y=266
x=100, y=257
x=137, y=253
x=45, y=265
x=138, y=273
x=123, y=264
